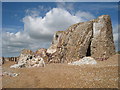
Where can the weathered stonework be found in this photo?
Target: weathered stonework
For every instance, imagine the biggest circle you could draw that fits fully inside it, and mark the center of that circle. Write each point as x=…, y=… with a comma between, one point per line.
x=102, y=45
x=42, y=53
x=93, y=38
x=4, y=59
x=28, y=58
x=27, y=52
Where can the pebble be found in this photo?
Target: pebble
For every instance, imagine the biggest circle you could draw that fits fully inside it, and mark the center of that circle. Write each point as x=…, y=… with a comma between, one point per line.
x=10, y=74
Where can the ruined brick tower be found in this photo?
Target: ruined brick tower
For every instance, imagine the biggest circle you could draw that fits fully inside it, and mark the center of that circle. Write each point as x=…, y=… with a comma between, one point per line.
x=92, y=38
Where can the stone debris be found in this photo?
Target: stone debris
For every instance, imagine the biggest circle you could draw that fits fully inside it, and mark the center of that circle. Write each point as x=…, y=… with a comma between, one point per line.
x=39, y=63
x=27, y=52
x=28, y=59
x=19, y=65
x=42, y=52
x=10, y=74
x=51, y=50
x=85, y=60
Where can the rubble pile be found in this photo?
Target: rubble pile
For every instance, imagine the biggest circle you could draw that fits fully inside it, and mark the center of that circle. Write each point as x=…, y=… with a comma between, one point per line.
x=83, y=61
x=27, y=58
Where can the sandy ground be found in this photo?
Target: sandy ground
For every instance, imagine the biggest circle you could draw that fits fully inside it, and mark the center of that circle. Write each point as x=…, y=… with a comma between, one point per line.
x=102, y=75
x=0, y=77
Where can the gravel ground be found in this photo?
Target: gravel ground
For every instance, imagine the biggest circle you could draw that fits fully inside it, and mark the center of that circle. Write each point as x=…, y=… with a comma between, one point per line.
x=102, y=75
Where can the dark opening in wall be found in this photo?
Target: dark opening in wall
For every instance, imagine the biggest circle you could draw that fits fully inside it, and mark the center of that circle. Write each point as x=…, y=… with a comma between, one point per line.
x=30, y=57
x=56, y=36
x=89, y=50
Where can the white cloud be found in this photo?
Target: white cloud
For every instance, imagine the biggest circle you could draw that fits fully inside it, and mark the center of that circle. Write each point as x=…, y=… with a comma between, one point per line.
x=33, y=12
x=54, y=20
x=67, y=6
x=85, y=15
x=37, y=11
x=38, y=31
x=14, y=43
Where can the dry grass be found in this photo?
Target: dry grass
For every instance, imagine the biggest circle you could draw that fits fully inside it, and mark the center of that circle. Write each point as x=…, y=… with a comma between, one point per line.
x=102, y=75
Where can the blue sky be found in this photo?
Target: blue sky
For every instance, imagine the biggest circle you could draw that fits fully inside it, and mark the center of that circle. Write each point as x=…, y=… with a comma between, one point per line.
x=20, y=18
x=14, y=12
